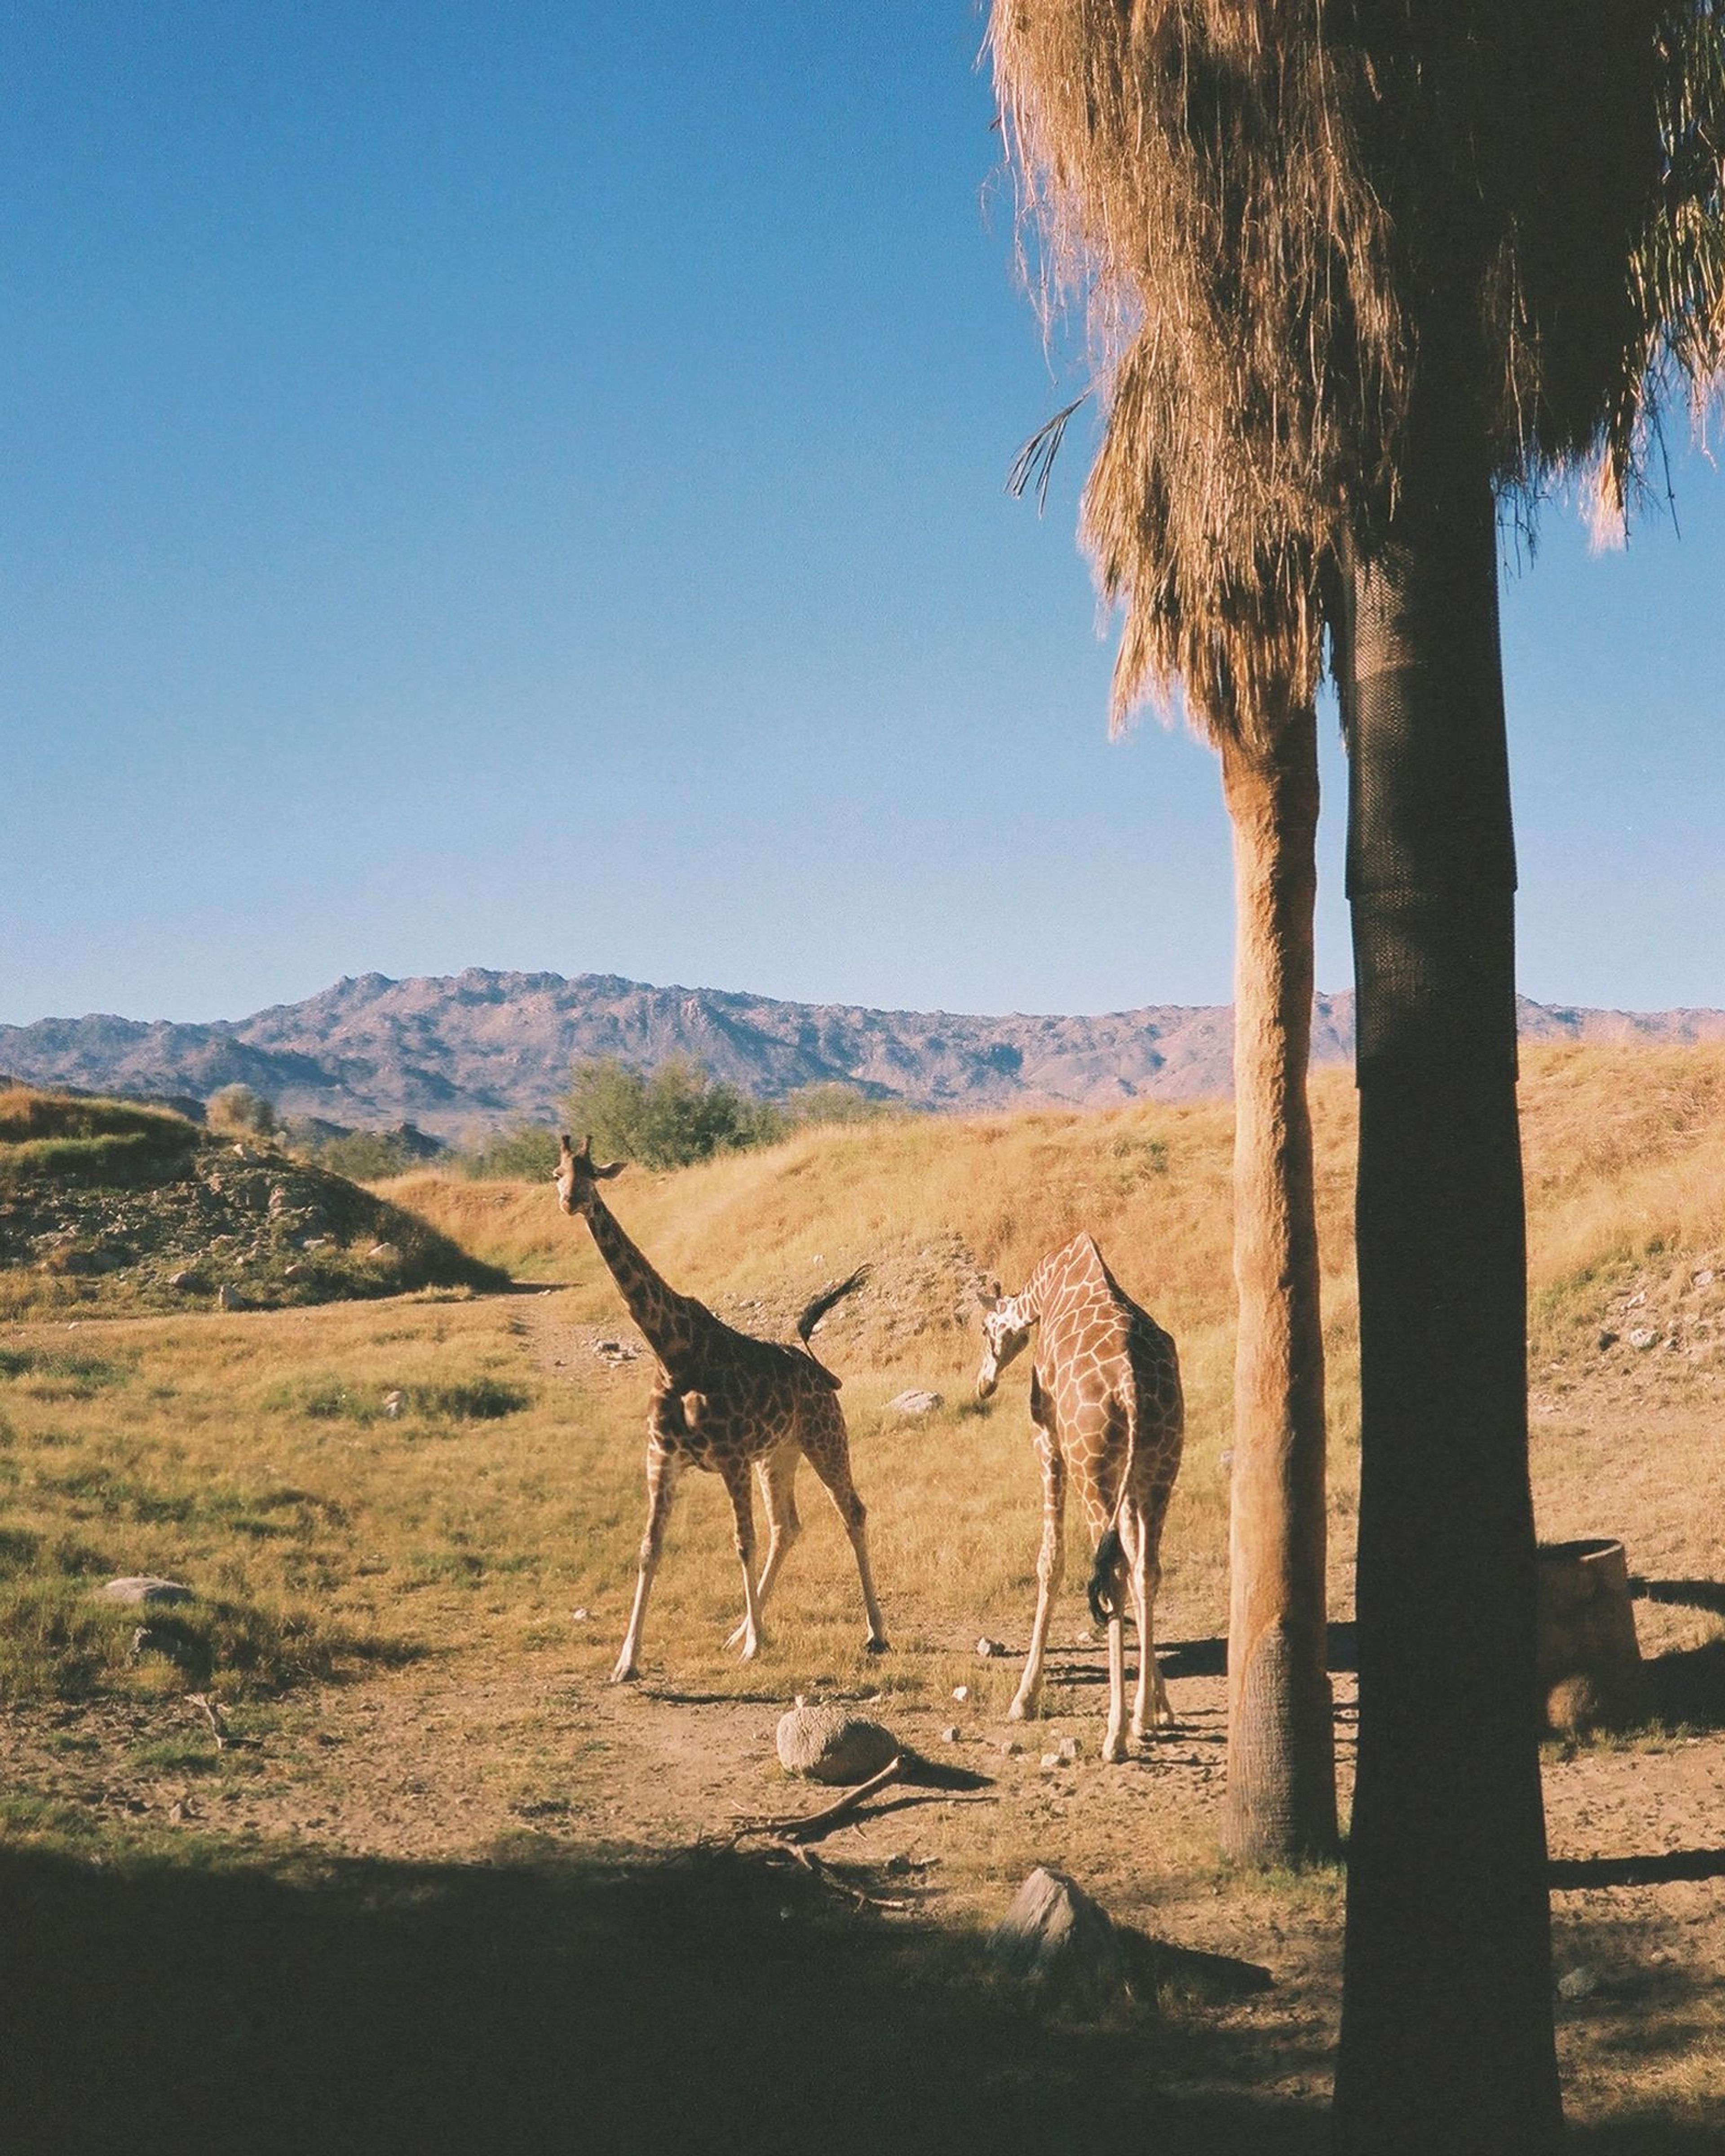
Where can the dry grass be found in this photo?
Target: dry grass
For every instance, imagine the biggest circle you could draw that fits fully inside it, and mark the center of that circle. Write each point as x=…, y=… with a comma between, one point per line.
x=388, y=1598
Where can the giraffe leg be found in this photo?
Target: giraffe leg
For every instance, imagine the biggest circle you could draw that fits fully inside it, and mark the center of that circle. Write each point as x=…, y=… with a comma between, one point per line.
x=740, y=1487
x=1113, y=1738
x=661, y=1483
x=824, y=1441
x=777, y=1474
x=1050, y=1564
x=1152, y=1709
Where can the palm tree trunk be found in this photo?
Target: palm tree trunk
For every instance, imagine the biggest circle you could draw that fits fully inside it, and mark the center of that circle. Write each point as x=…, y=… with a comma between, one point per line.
x=1281, y=1774
x=1446, y=2022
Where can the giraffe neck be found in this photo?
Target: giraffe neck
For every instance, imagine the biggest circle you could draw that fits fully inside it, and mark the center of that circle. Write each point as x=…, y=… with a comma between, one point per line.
x=670, y=1321
x=1034, y=1297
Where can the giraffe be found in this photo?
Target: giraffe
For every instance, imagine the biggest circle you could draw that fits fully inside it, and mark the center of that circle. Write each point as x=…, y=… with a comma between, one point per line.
x=1105, y=1403
x=730, y=1402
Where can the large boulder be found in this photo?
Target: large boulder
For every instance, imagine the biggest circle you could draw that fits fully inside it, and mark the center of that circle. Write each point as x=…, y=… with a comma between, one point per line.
x=832, y=1744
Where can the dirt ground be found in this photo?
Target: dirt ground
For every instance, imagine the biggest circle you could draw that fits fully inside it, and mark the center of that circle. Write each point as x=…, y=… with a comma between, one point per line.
x=485, y=1862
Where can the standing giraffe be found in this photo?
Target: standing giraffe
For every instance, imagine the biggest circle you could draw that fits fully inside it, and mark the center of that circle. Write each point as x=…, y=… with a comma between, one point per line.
x=730, y=1402
x=1105, y=1399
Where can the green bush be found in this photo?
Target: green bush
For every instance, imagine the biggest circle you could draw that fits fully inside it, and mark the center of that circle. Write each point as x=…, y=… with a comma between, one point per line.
x=526, y=1154
x=675, y=1117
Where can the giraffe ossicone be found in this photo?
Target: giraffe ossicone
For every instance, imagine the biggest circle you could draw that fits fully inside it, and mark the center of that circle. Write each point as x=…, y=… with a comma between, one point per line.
x=1106, y=1411
x=741, y=1407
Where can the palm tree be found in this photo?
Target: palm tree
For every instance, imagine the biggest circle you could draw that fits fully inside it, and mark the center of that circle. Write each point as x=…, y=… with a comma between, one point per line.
x=1206, y=541
x=1400, y=257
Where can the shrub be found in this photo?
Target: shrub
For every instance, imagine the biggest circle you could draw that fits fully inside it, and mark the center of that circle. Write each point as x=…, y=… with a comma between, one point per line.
x=526, y=1154
x=675, y=1117
x=238, y=1108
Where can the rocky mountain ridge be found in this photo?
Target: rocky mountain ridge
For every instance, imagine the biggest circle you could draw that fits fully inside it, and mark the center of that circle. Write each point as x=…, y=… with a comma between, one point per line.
x=461, y=1055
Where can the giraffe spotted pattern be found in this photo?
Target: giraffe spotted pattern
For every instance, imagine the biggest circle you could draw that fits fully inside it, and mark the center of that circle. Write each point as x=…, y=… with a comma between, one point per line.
x=729, y=1403
x=1106, y=1412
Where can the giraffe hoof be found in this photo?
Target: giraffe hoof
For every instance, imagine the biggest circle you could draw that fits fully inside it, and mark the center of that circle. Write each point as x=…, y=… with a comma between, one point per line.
x=875, y=1646
x=1019, y=1711
x=626, y=1673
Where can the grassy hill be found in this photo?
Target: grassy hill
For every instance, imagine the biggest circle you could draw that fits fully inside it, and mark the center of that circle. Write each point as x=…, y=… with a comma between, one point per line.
x=107, y=1205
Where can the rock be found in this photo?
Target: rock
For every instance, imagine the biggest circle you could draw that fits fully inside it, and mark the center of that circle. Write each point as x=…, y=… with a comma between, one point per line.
x=832, y=1744
x=297, y=1272
x=915, y=1402
x=228, y=1297
x=988, y=1649
x=393, y=1403
x=950, y=1736
x=384, y=1253
x=1607, y=1340
x=961, y=1693
x=616, y=1351
x=146, y=1587
x=1642, y=1337
x=1578, y=1983
x=1055, y=1937
x=1703, y=1278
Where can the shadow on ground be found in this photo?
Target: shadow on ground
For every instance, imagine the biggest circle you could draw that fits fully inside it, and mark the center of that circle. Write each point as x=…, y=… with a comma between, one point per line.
x=1687, y=1686
x=716, y=2001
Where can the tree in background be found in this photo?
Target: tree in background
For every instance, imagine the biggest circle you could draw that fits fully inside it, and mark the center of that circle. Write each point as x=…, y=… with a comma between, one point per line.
x=672, y=1119
x=1376, y=265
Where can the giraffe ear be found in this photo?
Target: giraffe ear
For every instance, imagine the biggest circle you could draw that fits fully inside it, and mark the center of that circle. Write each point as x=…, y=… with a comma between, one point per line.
x=568, y=1152
x=605, y=1174
x=986, y=1300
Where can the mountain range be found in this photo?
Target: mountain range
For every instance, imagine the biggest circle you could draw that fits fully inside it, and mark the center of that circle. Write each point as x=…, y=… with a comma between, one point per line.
x=465, y=1054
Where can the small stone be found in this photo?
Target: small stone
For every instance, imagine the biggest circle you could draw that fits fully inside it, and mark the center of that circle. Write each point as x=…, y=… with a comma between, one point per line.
x=988, y=1649
x=384, y=1253
x=294, y=1273
x=915, y=1402
x=1578, y=1983
x=228, y=1297
x=1703, y=1278
x=1227, y=1461
x=1010, y=1747
x=950, y=1736
x=1067, y=1750
x=961, y=1693
x=1055, y=1935
x=186, y=1281
x=146, y=1587
x=1643, y=1337
x=393, y=1403
x=1607, y=1340
x=579, y=1616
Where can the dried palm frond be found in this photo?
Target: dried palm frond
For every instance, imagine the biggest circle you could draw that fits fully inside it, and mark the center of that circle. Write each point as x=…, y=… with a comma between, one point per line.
x=1284, y=217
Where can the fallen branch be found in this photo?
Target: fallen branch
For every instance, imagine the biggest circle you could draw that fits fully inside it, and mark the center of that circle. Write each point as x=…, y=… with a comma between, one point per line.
x=798, y=1826
x=824, y=1872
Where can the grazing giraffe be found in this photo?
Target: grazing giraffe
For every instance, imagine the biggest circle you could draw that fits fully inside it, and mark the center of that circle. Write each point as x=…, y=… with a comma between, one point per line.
x=1105, y=1400
x=730, y=1402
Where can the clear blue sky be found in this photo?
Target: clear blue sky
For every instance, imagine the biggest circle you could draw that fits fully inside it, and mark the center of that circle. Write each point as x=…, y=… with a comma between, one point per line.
x=522, y=487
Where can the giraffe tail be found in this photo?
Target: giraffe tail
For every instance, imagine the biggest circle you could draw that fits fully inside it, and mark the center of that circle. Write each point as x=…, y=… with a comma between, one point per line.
x=817, y=1309
x=825, y=1301
x=1104, y=1600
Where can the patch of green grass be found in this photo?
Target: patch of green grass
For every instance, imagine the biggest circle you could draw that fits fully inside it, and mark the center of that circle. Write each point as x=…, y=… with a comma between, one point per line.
x=58, y=1640
x=52, y=1375
x=325, y=1398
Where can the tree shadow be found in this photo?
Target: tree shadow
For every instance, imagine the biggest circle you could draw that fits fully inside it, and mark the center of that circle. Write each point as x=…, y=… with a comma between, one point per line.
x=711, y=2001
x=1652, y=1870
x=1209, y=1658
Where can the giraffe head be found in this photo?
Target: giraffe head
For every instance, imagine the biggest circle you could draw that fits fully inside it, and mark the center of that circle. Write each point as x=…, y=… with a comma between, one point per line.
x=1006, y=1333
x=576, y=1178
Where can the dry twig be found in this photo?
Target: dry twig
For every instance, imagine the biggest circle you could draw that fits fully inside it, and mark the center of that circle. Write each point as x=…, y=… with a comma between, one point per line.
x=212, y=1714
x=796, y=1827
